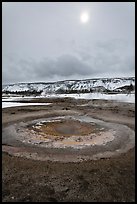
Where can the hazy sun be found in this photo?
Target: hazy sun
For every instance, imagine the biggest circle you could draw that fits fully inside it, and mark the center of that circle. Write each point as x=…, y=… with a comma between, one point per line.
x=84, y=17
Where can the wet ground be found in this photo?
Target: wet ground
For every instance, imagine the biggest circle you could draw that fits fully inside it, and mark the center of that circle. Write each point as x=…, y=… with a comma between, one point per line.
x=106, y=179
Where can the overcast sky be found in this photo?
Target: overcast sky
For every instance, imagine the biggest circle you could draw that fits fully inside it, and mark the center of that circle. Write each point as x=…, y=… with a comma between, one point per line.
x=49, y=42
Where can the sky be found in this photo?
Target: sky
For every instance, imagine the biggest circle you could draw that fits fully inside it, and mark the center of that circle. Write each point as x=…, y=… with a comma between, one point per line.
x=47, y=41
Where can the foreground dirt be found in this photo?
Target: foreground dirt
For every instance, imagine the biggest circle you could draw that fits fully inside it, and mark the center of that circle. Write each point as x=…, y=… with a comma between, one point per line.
x=104, y=180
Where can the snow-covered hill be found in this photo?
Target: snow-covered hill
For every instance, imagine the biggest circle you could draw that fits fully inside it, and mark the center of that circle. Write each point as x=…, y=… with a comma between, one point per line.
x=103, y=85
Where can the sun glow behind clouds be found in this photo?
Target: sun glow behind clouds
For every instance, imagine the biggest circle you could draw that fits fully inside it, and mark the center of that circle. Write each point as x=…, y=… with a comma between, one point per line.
x=84, y=17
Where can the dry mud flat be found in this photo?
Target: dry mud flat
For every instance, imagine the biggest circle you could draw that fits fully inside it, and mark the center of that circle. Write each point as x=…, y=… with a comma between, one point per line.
x=68, y=178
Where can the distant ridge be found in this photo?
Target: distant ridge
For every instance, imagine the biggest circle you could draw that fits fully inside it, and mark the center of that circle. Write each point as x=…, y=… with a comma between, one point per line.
x=107, y=85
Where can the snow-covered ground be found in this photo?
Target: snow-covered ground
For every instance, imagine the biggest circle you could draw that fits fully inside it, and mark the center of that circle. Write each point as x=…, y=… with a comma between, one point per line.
x=13, y=104
x=119, y=97
x=130, y=98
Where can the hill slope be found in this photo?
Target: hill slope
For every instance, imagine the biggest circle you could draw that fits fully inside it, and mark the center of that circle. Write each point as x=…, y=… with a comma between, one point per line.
x=103, y=85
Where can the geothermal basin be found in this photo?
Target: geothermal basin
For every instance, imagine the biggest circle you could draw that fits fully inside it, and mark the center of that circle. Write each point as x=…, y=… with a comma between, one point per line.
x=67, y=138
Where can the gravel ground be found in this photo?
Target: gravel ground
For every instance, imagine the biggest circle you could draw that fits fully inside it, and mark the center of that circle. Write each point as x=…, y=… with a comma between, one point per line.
x=103, y=180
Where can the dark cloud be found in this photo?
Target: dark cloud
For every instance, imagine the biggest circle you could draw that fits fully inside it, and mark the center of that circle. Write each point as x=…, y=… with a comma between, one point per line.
x=70, y=66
